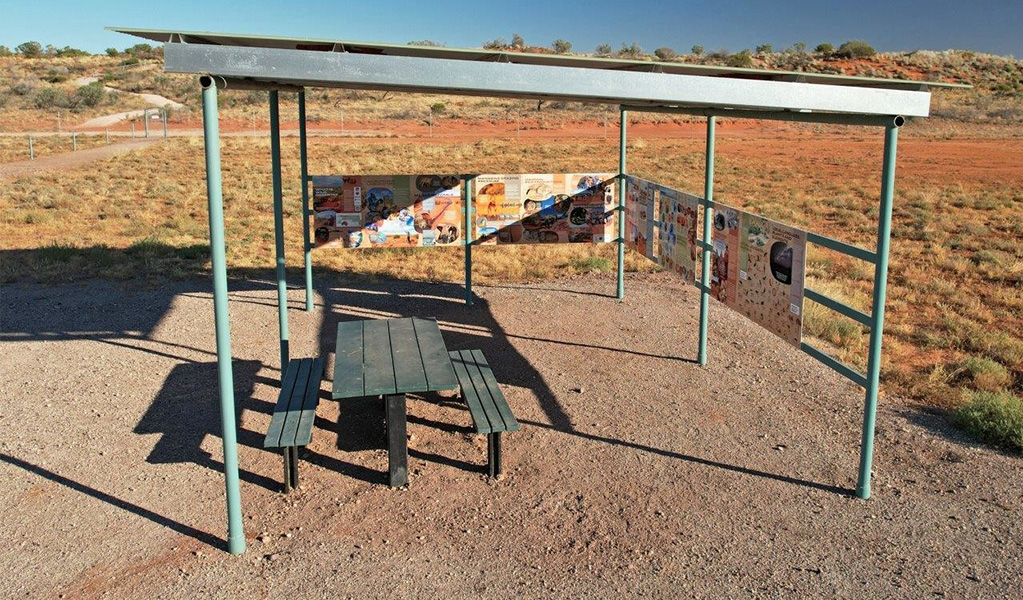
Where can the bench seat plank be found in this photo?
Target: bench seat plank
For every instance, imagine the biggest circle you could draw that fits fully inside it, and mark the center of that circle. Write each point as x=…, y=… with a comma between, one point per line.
x=304, y=433
x=469, y=395
x=487, y=405
x=295, y=413
x=280, y=415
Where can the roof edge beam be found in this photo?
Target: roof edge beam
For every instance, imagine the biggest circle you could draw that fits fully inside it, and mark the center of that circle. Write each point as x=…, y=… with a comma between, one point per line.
x=800, y=117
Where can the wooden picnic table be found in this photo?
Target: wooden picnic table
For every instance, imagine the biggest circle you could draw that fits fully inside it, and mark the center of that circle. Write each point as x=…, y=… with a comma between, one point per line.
x=391, y=358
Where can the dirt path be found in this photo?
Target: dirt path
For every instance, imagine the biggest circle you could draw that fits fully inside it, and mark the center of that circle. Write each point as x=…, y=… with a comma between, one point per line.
x=108, y=120
x=71, y=160
x=636, y=472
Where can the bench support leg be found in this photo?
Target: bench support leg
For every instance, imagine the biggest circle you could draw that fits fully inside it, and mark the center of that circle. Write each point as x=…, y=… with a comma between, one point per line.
x=286, y=452
x=494, y=454
x=294, y=467
x=397, y=442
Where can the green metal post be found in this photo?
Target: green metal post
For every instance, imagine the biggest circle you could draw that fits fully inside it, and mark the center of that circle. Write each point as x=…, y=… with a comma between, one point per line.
x=145, y=117
x=306, y=213
x=282, y=284
x=884, y=230
x=467, y=236
x=708, y=194
x=211, y=134
x=620, y=289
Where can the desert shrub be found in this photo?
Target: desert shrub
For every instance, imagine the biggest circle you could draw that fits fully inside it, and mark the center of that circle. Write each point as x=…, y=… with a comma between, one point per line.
x=517, y=41
x=855, y=49
x=5, y=51
x=665, y=53
x=561, y=46
x=498, y=44
x=982, y=373
x=764, y=49
x=30, y=49
x=24, y=87
x=996, y=418
x=428, y=43
x=603, y=50
x=697, y=50
x=51, y=97
x=57, y=74
x=825, y=48
x=112, y=52
x=4, y=98
x=740, y=59
x=630, y=51
x=69, y=52
x=438, y=108
x=90, y=95
x=799, y=47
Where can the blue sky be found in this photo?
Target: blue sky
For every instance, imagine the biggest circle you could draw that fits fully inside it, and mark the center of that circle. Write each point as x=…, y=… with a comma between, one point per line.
x=982, y=25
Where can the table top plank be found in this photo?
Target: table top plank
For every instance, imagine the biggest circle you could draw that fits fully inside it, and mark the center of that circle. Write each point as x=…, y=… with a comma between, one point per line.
x=436, y=362
x=409, y=372
x=349, y=380
x=378, y=364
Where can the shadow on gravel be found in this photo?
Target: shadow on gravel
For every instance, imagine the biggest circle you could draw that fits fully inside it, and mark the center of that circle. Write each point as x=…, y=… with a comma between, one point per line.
x=145, y=513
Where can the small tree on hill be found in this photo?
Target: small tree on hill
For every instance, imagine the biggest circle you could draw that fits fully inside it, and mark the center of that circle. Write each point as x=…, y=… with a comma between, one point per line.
x=517, y=41
x=113, y=52
x=427, y=43
x=855, y=49
x=498, y=44
x=630, y=51
x=603, y=50
x=825, y=48
x=561, y=46
x=799, y=47
x=764, y=49
x=30, y=49
x=697, y=50
x=742, y=59
x=665, y=53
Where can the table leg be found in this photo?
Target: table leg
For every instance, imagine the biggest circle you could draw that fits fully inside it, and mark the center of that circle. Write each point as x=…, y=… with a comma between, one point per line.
x=397, y=442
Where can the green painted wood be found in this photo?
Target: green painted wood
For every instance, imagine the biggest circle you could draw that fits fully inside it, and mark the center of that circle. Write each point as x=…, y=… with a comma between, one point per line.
x=378, y=366
x=409, y=371
x=310, y=399
x=273, y=432
x=510, y=423
x=439, y=374
x=469, y=395
x=486, y=395
x=294, y=412
x=348, y=368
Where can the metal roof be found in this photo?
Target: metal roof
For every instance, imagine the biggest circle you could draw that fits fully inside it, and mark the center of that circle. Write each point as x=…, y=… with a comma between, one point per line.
x=266, y=62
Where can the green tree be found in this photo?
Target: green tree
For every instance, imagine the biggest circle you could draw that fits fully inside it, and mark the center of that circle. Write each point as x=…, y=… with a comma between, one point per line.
x=630, y=51
x=517, y=41
x=90, y=95
x=825, y=48
x=855, y=49
x=561, y=46
x=112, y=52
x=764, y=49
x=68, y=51
x=30, y=49
x=498, y=44
x=742, y=59
x=697, y=50
x=51, y=97
x=5, y=51
x=799, y=47
x=665, y=53
x=603, y=50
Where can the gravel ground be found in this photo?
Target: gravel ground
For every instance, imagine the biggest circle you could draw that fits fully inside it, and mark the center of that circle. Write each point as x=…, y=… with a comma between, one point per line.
x=636, y=472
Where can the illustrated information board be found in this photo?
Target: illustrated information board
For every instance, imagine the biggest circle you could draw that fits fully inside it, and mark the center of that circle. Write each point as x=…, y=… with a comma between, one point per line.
x=387, y=211
x=661, y=223
x=544, y=208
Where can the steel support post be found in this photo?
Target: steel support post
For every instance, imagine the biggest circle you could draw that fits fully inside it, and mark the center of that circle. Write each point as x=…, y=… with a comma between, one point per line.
x=306, y=213
x=467, y=236
x=282, y=284
x=214, y=194
x=705, y=262
x=884, y=230
x=620, y=288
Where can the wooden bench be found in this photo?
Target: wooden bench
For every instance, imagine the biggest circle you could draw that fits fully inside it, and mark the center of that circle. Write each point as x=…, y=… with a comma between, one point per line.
x=490, y=412
x=292, y=422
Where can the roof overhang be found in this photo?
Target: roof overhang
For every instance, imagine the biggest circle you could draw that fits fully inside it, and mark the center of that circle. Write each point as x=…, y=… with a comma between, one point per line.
x=276, y=68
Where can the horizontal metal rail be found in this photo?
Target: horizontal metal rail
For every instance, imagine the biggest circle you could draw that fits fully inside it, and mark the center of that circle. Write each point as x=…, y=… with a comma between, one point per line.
x=778, y=115
x=844, y=248
x=848, y=372
x=839, y=307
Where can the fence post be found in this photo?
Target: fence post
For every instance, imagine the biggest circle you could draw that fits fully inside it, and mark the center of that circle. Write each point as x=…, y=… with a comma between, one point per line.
x=164, y=115
x=145, y=117
x=620, y=290
x=31, y=149
x=282, y=284
x=708, y=213
x=884, y=230
x=74, y=141
x=133, y=129
x=106, y=130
